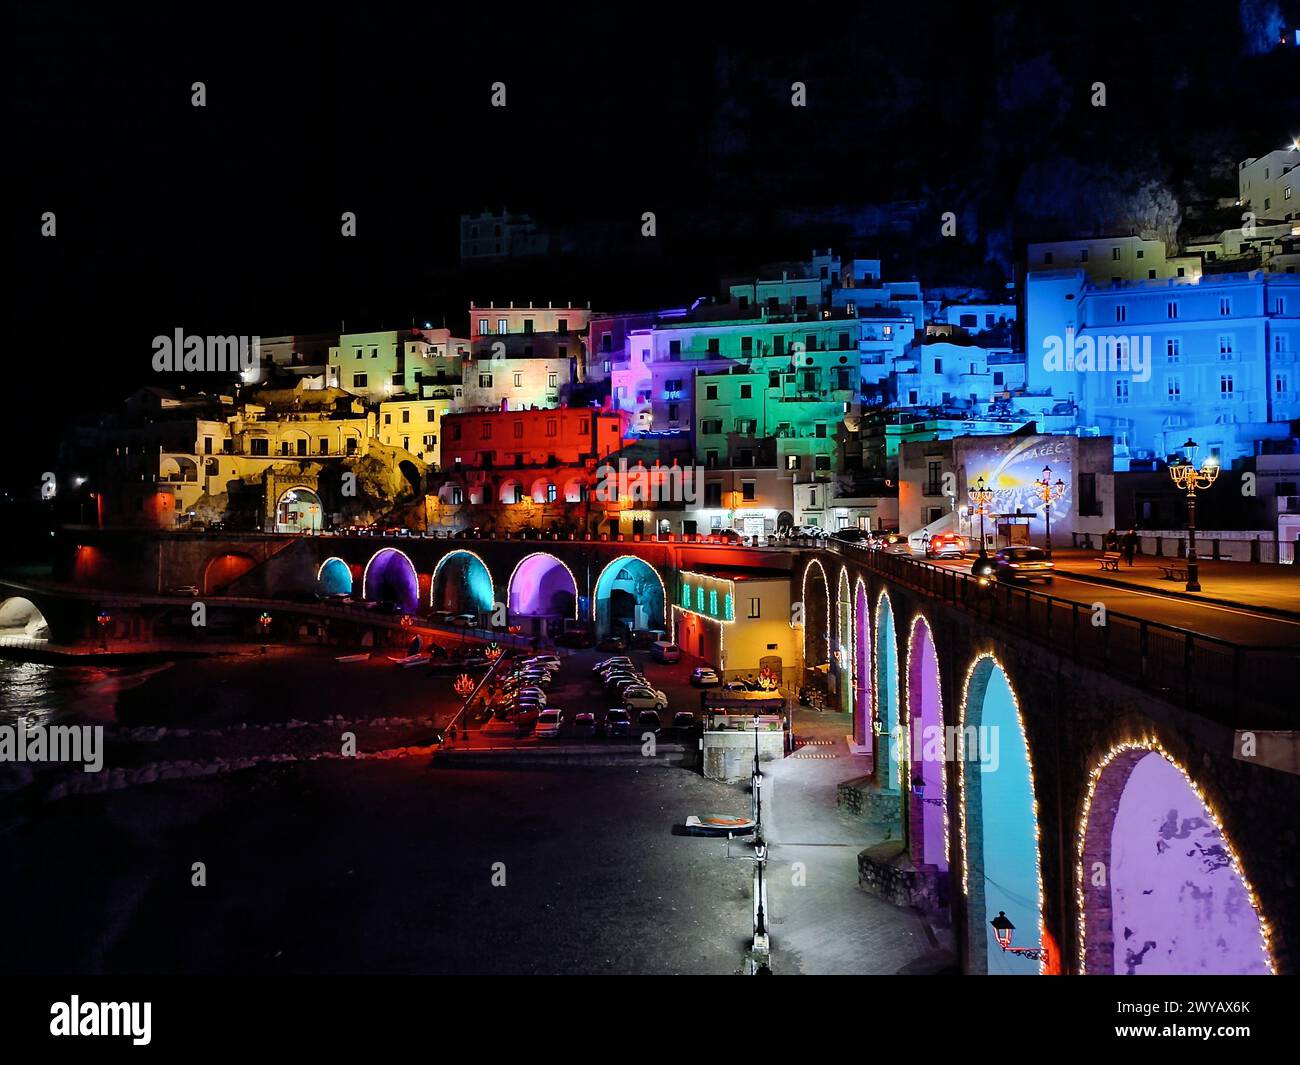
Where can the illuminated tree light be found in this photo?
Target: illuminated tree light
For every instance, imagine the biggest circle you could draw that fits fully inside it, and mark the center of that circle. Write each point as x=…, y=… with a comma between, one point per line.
x=883, y=603
x=864, y=621
x=1151, y=744
x=963, y=818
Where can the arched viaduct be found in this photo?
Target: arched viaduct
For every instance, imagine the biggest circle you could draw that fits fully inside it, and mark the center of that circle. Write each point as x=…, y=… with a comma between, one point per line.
x=1087, y=782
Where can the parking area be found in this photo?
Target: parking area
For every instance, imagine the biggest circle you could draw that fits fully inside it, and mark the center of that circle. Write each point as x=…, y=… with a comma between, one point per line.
x=576, y=689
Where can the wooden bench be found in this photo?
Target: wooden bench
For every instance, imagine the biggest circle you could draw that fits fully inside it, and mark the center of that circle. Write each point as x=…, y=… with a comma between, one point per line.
x=1175, y=572
x=1110, y=561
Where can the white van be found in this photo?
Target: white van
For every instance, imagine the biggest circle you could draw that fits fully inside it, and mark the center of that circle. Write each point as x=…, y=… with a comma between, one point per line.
x=663, y=651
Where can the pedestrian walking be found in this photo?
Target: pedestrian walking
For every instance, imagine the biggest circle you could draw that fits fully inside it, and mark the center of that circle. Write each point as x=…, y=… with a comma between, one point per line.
x=1130, y=545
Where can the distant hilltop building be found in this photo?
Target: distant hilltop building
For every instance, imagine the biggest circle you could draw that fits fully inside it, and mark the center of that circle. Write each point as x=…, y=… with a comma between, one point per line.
x=1266, y=186
x=490, y=236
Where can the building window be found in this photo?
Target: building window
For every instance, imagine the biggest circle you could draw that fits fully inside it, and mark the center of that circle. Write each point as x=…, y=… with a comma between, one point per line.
x=714, y=347
x=1171, y=308
x=485, y=380
x=1225, y=346
x=1121, y=312
x=1121, y=391
x=358, y=380
x=749, y=491
x=519, y=430
x=1047, y=258
x=1174, y=389
x=552, y=427
x=754, y=609
x=259, y=445
x=528, y=328
x=485, y=431
x=503, y=326
x=552, y=380
x=674, y=347
x=406, y=416
x=1225, y=386
x=562, y=326
x=711, y=426
x=746, y=391
x=710, y=391
x=1174, y=349
x=1225, y=306
x=388, y=418
x=550, y=493
x=519, y=380
x=1114, y=255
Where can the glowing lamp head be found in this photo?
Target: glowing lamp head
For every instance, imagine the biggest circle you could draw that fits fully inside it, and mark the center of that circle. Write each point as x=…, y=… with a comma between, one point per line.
x=1002, y=928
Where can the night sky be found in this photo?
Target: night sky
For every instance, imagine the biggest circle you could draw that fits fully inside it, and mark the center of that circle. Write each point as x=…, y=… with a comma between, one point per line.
x=225, y=219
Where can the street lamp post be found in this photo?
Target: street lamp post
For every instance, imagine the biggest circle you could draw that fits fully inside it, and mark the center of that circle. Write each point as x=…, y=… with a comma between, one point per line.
x=1049, y=493
x=1187, y=477
x=1002, y=928
x=980, y=497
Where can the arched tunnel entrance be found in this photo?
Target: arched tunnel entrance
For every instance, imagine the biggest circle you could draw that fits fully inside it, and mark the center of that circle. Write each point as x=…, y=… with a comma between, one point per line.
x=223, y=570
x=334, y=577
x=462, y=584
x=629, y=595
x=1163, y=891
x=21, y=619
x=1001, y=870
x=390, y=577
x=544, y=589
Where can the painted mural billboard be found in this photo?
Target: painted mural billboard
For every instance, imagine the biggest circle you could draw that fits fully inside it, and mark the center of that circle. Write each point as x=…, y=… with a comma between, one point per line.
x=1011, y=466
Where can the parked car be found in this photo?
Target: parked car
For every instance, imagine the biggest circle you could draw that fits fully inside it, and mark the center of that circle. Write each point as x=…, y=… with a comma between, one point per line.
x=945, y=545
x=648, y=721
x=617, y=722
x=643, y=697
x=705, y=677
x=549, y=723
x=1023, y=564
x=605, y=663
x=184, y=589
x=550, y=661
x=623, y=681
x=612, y=643
x=527, y=717
x=683, y=721
x=664, y=651
x=584, y=724
x=851, y=535
x=897, y=543
x=735, y=686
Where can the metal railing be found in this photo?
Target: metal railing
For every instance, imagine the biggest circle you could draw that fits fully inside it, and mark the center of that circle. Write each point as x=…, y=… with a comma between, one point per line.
x=1227, y=681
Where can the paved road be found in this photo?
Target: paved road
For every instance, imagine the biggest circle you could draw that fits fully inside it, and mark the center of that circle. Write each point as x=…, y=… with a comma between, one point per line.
x=1239, y=624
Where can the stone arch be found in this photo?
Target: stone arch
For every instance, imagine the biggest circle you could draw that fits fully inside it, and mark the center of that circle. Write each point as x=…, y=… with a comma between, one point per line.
x=298, y=509
x=21, y=619
x=221, y=571
x=462, y=583
x=926, y=750
x=542, y=586
x=390, y=577
x=629, y=591
x=816, y=619
x=1160, y=887
x=885, y=688
x=845, y=645
x=862, y=702
x=334, y=577
x=1001, y=860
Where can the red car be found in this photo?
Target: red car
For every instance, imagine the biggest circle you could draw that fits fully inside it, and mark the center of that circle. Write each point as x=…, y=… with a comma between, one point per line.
x=945, y=545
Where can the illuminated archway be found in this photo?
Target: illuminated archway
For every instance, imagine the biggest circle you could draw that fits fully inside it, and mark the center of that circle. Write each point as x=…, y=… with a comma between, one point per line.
x=223, y=570
x=21, y=619
x=543, y=586
x=390, y=577
x=927, y=752
x=862, y=733
x=816, y=598
x=298, y=510
x=629, y=594
x=888, y=767
x=462, y=583
x=1160, y=889
x=999, y=822
x=845, y=645
x=334, y=577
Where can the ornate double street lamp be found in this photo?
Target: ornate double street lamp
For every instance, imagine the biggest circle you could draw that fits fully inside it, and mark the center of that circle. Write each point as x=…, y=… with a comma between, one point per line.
x=981, y=498
x=1049, y=493
x=1003, y=928
x=1187, y=477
